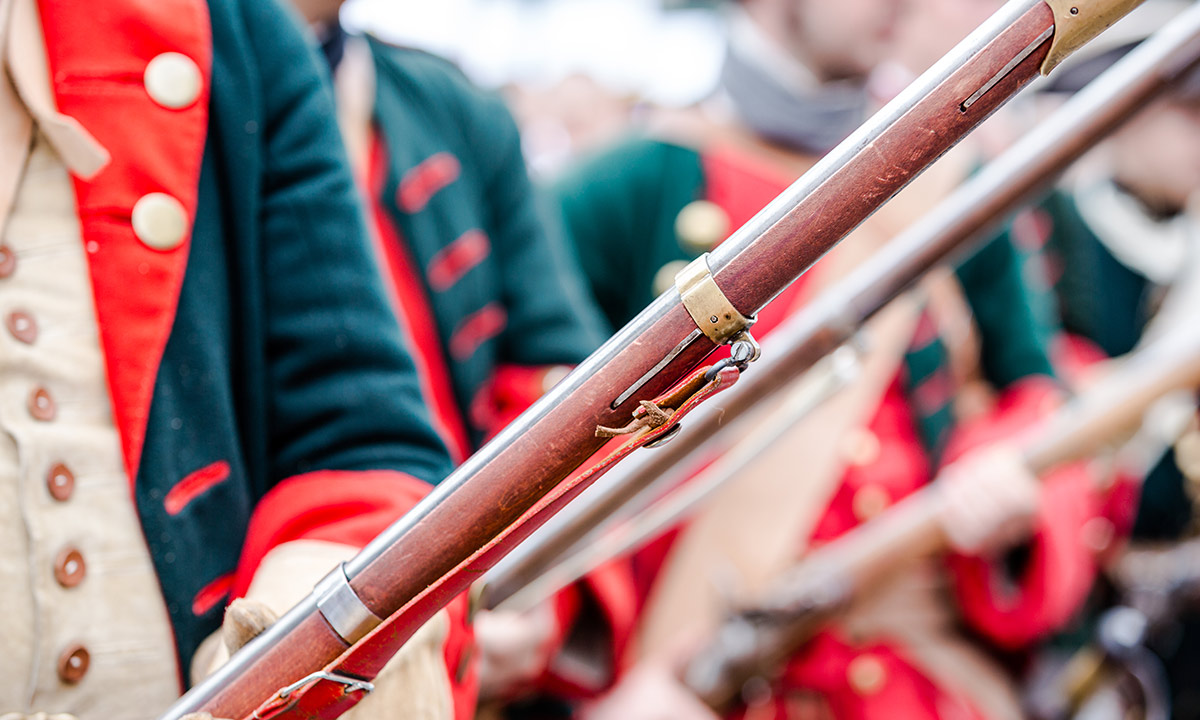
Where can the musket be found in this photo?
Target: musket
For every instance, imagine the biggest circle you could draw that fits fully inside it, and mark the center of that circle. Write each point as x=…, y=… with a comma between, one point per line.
x=1155, y=582
x=755, y=642
x=606, y=523
x=318, y=658
x=1118, y=666
x=1156, y=585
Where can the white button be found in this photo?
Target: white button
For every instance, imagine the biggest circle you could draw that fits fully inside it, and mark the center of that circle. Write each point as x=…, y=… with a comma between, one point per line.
x=160, y=221
x=554, y=376
x=700, y=225
x=173, y=80
x=664, y=279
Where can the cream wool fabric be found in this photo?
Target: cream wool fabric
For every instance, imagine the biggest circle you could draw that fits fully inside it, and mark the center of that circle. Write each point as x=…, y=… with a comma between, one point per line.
x=117, y=611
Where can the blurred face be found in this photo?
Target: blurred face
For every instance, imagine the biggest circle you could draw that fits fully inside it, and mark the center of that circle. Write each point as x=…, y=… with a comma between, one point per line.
x=929, y=29
x=836, y=39
x=1157, y=154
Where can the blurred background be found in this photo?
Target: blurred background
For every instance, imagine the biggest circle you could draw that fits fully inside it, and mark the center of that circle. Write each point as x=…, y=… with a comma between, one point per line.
x=544, y=42
x=575, y=72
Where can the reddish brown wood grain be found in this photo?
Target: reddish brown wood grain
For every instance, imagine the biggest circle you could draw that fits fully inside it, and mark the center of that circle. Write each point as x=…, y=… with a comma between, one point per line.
x=854, y=192
x=280, y=666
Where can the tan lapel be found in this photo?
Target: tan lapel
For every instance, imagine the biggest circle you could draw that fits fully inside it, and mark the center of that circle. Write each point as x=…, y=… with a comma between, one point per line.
x=30, y=72
x=16, y=127
x=26, y=98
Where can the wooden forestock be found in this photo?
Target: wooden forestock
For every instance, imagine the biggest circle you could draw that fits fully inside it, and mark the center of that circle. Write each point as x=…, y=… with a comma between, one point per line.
x=480, y=512
x=912, y=528
x=565, y=548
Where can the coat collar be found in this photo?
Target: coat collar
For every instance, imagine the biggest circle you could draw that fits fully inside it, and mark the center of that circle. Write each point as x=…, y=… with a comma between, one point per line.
x=98, y=55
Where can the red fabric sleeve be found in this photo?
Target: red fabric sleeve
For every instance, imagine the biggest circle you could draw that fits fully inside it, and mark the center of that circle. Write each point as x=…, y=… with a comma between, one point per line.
x=333, y=505
x=1061, y=566
x=1014, y=612
x=831, y=665
x=512, y=390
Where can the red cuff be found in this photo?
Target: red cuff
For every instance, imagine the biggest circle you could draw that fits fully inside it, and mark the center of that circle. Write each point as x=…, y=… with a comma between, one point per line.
x=1061, y=568
x=333, y=505
x=859, y=682
x=1074, y=356
x=1120, y=505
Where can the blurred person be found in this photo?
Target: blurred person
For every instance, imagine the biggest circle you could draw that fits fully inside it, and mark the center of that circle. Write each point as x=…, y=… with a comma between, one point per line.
x=974, y=369
x=571, y=117
x=928, y=29
x=794, y=84
x=1120, y=239
x=493, y=305
x=1120, y=236
x=202, y=391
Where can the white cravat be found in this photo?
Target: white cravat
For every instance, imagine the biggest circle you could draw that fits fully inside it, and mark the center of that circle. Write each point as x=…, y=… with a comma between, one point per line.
x=26, y=99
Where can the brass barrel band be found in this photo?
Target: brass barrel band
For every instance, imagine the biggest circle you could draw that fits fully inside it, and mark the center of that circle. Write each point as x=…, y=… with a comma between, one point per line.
x=1077, y=22
x=706, y=303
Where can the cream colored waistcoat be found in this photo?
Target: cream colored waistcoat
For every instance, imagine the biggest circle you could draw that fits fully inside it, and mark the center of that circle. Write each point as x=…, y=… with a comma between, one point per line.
x=110, y=605
x=83, y=627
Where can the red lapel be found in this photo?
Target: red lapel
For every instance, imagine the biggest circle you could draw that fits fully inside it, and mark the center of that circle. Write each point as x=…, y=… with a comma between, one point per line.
x=742, y=184
x=98, y=52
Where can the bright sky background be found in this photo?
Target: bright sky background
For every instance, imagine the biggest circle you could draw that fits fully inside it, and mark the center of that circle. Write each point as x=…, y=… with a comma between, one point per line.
x=631, y=45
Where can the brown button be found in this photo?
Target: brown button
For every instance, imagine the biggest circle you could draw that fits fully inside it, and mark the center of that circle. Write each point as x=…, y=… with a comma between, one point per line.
x=69, y=568
x=8, y=261
x=869, y=501
x=73, y=664
x=866, y=675
x=22, y=326
x=860, y=448
x=41, y=405
x=61, y=482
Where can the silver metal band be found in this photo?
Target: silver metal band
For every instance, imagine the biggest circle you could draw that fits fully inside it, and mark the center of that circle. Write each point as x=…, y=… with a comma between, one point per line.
x=342, y=607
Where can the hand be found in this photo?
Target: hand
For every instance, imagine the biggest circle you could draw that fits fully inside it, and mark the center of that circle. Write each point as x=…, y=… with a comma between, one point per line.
x=648, y=692
x=514, y=649
x=989, y=501
x=413, y=685
x=244, y=620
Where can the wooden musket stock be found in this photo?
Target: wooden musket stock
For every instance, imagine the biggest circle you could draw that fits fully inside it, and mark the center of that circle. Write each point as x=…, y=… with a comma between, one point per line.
x=572, y=543
x=491, y=502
